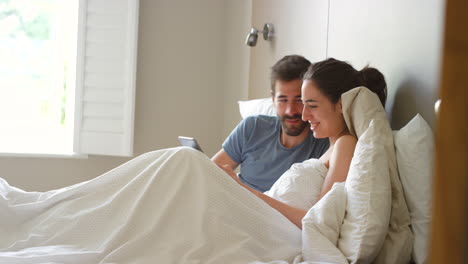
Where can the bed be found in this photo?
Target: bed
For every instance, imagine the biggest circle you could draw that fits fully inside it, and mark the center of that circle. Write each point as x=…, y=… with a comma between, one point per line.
x=175, y=206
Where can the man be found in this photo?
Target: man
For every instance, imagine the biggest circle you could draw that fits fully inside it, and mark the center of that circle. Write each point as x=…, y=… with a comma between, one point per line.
x=267, y=146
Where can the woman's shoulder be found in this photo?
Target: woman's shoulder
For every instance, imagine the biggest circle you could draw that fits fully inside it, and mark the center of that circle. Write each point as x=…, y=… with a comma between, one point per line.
x=346, y=143
x=346, y=139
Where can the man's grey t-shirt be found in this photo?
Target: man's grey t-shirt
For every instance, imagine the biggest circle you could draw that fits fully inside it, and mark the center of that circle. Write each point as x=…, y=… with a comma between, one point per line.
x=255, y=145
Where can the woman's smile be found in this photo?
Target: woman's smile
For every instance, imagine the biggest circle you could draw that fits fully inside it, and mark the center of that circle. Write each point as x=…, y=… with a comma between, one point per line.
x=313, y=125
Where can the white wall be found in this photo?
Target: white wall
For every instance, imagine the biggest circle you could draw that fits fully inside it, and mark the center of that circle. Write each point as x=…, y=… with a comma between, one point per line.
x=236, y=81
x=184, y=60
x=401, y=38
x=301, y=28
x=180, y=71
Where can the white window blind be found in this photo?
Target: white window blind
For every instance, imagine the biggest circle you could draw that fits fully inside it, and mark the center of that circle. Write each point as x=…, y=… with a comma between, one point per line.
x=106, y=75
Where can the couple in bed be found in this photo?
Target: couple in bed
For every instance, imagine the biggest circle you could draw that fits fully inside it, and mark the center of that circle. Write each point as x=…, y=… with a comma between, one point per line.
x=310, y=125
x=177, y=206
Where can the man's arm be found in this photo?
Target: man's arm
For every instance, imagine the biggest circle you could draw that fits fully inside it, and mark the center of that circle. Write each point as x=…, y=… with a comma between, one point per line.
x=222, y=158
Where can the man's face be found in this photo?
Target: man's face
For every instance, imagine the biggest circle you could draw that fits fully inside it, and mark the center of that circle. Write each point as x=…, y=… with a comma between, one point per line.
x=288, y=103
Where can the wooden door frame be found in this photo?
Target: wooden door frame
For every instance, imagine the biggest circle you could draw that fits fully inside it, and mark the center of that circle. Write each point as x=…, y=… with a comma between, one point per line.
x=449, y=227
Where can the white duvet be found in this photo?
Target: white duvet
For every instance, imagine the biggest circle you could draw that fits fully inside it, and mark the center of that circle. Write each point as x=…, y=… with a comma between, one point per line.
x=176, y=206
x=168, y=206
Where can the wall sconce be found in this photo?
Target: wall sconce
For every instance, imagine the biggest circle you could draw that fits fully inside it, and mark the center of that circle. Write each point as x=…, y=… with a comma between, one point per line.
x=252, y=37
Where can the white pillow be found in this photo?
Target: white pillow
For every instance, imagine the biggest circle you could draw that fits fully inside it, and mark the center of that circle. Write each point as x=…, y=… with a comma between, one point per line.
x=262, y=106
x=321, y=227
x=300, y=185
x=414, y=145
x=377, y=223
x=369, y=199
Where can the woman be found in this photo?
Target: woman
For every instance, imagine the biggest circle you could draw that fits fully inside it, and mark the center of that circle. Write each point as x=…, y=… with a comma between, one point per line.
x=175, y=205
x=322, y=87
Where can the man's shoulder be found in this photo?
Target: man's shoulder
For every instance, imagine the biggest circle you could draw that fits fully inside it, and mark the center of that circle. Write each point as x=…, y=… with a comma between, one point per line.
x=261, y=120
x=260, y=127
x=317, y=146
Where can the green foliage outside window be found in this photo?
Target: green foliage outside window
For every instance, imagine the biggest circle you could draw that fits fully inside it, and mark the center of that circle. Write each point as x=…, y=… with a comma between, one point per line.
x=35, y=25
x=32, y=20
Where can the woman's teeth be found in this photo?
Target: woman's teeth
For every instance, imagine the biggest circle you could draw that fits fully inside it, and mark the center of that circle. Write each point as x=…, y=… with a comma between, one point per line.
x=313, y=125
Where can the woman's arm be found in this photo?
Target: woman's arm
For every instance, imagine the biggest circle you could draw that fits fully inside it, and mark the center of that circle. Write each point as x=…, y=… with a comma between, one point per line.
x=294, y=215
x=340, y=160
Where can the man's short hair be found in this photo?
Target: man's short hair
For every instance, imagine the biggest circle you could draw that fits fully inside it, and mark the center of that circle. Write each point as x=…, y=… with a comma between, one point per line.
x=289, y=68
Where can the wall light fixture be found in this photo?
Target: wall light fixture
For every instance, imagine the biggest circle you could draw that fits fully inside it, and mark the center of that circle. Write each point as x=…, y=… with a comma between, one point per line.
x=268, y=33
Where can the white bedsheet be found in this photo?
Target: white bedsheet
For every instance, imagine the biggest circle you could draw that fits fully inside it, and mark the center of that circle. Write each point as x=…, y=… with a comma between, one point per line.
x=168, y=206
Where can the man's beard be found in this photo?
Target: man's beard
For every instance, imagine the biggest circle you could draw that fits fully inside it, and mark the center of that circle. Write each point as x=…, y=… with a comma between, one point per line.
x=292, y=130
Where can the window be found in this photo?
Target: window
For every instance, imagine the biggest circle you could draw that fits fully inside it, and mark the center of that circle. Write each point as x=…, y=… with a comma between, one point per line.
x=37, y=51
x=67, y=84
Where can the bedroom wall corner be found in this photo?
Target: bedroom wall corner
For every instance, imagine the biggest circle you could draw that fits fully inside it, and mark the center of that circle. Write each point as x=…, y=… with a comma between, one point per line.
x=236, y=79
x=300, y=28
x=180, y=75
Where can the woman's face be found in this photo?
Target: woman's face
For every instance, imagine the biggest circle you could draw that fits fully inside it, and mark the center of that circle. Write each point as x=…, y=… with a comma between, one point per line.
x=325, y=118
